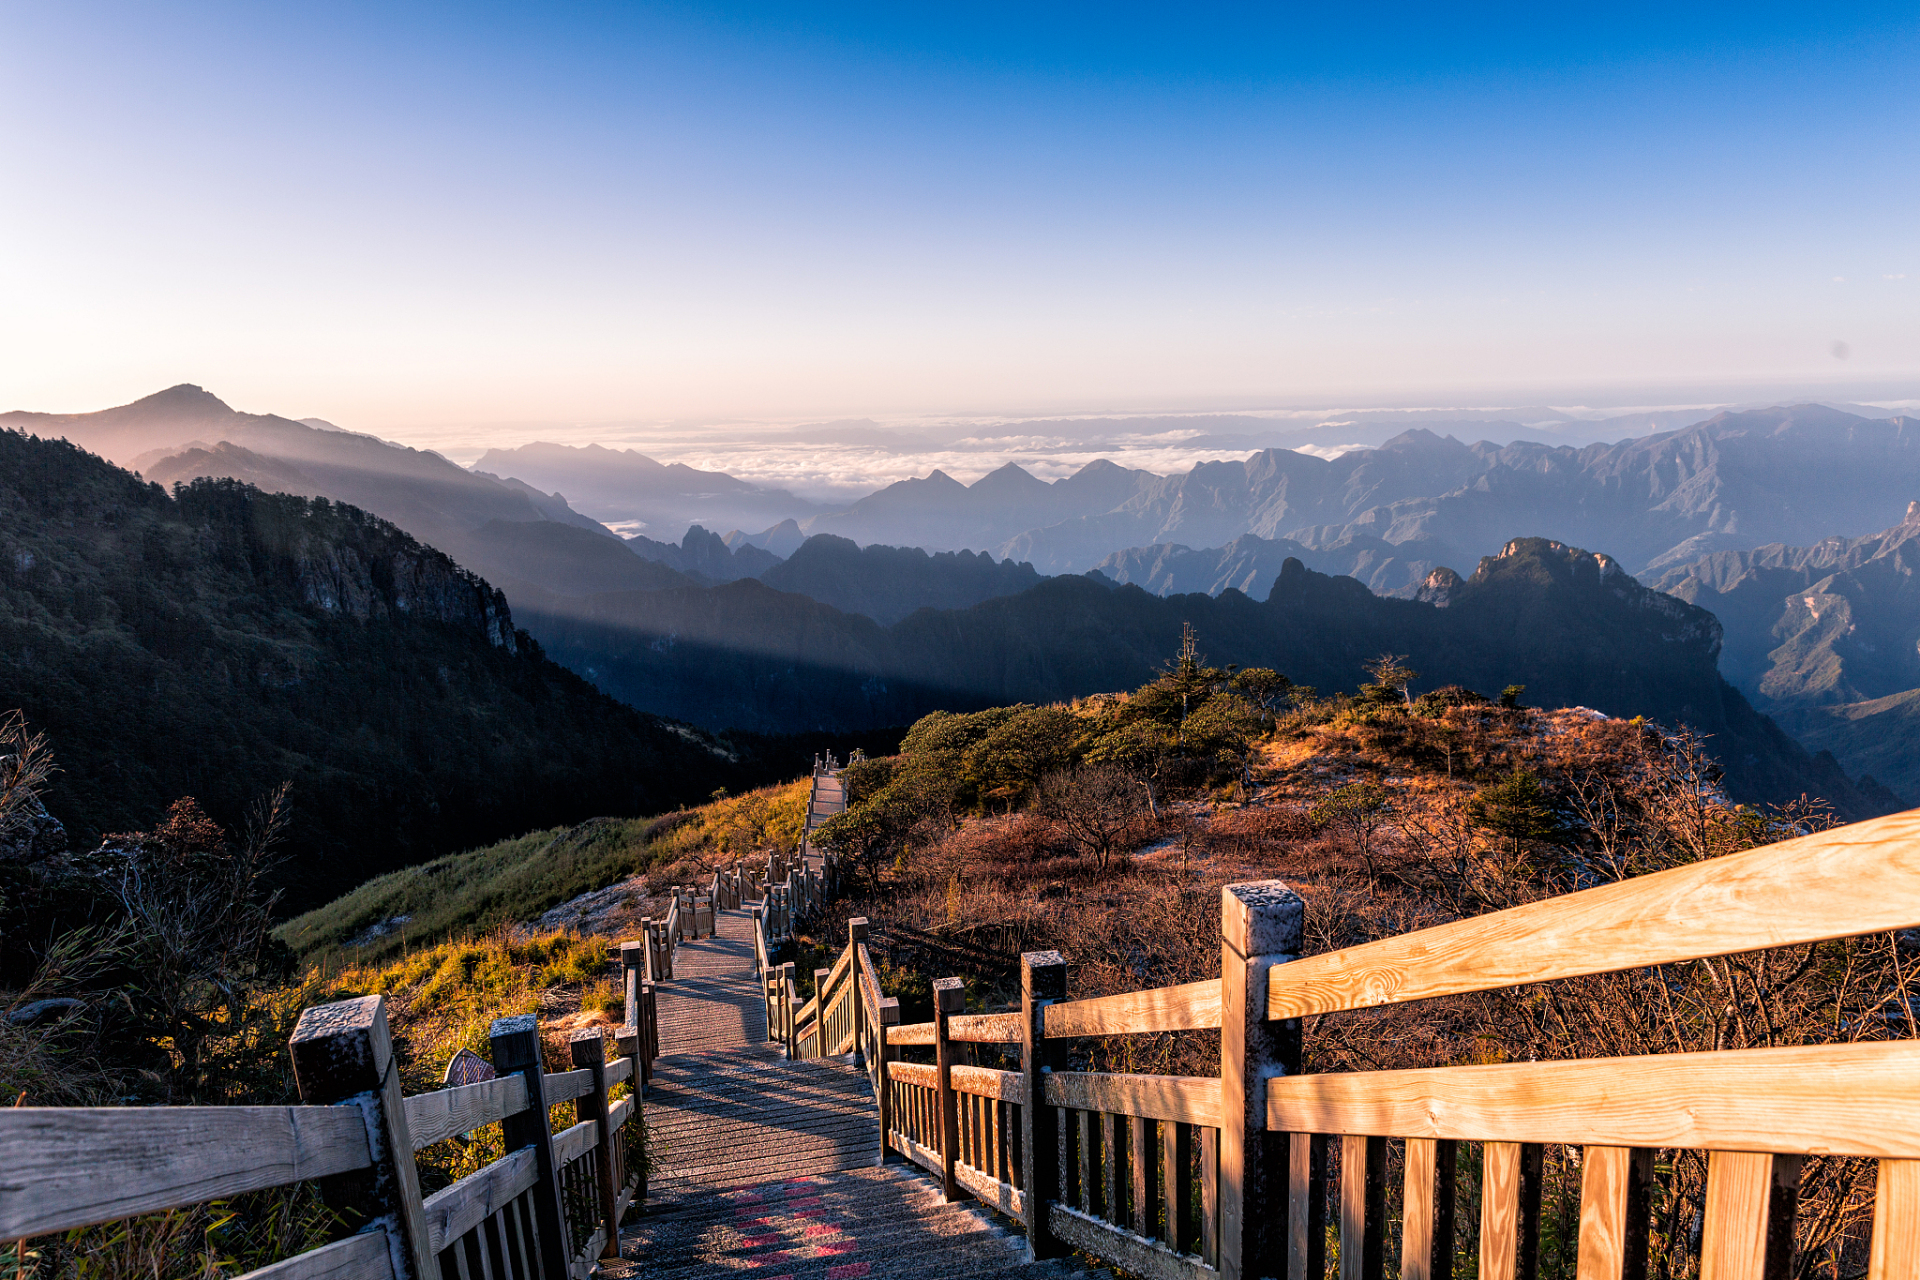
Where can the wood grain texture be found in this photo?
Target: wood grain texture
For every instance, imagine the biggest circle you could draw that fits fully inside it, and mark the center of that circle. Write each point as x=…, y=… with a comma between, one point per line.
x=564, y=1086
x=448, y=1113
x=575, y=1141
x=911, y=1033
x=1614, y=1183
x=1863, y=878
x=919, y=1074
x=985, y=1028
x=1363, y=1207
x=362, y=1257
x=1210, y=1196
x=619, y=1113
x=1509, y=1211
x=63, y=1167
x=1140, y=1174
x=1857, y=1099
x=1176, y=1165
x=458, y=1209
x=1307, y=1206
x=1417, y=1202
x=1141, y=1257
x=1192, y=1007
x=619, y=1070
x=1748, y=1232
x=1896, y=1222
x=1186, y=1099
x=986, y=1082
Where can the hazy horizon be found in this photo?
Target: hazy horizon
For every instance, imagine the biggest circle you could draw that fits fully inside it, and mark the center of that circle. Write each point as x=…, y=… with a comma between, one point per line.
x=419, y=222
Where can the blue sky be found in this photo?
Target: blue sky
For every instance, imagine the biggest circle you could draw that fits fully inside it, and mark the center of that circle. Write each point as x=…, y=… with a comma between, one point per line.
x=407, y=217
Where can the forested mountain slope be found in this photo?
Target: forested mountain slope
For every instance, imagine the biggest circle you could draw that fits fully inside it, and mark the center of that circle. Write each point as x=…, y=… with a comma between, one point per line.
x=1827, y=639
x=217, y=643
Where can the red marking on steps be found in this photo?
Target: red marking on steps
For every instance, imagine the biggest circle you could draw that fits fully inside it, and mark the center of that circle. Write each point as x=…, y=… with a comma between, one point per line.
x=849, y=1271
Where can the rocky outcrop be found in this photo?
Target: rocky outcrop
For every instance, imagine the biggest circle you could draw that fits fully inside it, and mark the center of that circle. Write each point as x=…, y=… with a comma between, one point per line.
x=30, y=834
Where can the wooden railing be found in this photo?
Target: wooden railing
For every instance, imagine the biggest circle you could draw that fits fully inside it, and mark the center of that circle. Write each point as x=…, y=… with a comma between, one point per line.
x=547, y=1209
x=1184, y=1177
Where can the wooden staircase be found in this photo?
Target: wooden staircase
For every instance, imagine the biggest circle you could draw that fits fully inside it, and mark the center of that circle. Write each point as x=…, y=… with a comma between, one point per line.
x=771, y=1168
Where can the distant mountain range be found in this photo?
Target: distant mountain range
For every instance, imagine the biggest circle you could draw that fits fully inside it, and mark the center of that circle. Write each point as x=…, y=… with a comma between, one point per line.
x=823, y=590
x=1827, y=639
x=1391, y=514
x=623, y=486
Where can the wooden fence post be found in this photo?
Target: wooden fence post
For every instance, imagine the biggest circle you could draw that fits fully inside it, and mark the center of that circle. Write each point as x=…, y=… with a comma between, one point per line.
x=1260, y=926
x=857, y=934
x=949, y=997
x=786, y=1002
x=634, y=1047
x=1043, y=980
x=588, y=1050
x=344, y=1052
x=516, y=1047
x=632, y=962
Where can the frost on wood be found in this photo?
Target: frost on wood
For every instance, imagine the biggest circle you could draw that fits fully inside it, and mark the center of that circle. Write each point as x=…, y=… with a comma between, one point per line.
x=1262, y=918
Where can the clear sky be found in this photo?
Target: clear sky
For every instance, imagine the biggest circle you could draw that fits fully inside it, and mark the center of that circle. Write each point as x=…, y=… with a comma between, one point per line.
x=399, y=216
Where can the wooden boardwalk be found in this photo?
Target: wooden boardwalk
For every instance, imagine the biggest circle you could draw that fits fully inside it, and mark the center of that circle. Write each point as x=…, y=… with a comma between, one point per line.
x=772, y=1168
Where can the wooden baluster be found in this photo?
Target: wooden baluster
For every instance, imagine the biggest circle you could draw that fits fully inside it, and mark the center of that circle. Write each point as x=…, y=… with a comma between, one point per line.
x=589, y=1051
x=1426, y=1233
x=949, y=998
x=1748, y=1233
x=1259, y=927
x=650, y=1041
x=1896, y=1222
x=1614, y=1186
x=857, y=1000
x=1363, y=1207
x=516, y=1048
x=1140, y=1166
x=1510, y=1211
x=1210, y=1197
x=1307, y=1206
x=342, y=1052
x=634, y=1047
x=1176, y=1173
x=889, y=1017
x=1110, y=1158
x=1089, y=1172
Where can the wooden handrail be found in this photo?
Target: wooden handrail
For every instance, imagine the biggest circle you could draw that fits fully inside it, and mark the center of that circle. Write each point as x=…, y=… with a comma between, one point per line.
x=1193, y=1007
x=68, y=1167
x=1863, y=878
x=448, y=1113
x=1841, y=1099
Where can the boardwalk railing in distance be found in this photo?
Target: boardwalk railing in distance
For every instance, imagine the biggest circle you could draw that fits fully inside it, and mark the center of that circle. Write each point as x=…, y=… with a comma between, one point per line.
x=546, y=1210
x=1186, y=1177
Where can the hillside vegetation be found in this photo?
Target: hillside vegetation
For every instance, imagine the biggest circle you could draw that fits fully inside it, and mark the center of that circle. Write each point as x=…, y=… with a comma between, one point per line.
x=1104, y=829
x=472, y=893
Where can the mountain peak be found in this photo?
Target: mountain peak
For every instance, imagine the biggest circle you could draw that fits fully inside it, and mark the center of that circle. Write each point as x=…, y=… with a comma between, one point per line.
x=183, y=400
x=1913, y=514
